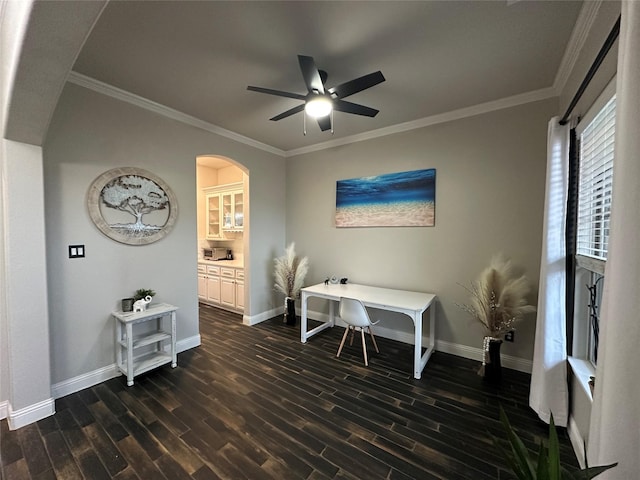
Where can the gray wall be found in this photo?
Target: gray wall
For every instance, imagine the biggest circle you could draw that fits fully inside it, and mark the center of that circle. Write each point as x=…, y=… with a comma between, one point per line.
x=92, y=133
x=26, y=287
x=23, y=302
x=490, y=175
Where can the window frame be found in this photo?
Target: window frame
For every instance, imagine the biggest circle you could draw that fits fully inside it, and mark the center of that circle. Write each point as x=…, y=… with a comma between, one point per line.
x=588, y=269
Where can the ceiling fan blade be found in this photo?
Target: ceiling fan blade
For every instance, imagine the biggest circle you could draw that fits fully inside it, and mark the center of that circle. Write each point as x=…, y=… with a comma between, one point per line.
x=288, y=113
x=357, y=85
x=324, y=123
x=348, y=107
x=279, y=93
x=310, y=74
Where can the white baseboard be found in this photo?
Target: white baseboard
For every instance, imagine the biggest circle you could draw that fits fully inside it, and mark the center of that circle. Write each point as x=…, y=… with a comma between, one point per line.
x=261, y=317
x=86, y=380
x=38, y=411
x=188, y=343
x=32, y=413
x=577, y=442
x=473, y=353
x=89, y=379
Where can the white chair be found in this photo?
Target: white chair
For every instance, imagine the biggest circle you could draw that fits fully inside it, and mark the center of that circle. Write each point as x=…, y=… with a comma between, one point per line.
x=354, y=314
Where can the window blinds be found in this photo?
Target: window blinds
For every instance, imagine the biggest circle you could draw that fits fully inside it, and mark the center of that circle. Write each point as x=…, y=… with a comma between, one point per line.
x=595, y=182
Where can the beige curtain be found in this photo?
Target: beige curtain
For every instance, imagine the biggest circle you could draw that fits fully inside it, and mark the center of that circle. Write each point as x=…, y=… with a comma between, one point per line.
x=614, y=434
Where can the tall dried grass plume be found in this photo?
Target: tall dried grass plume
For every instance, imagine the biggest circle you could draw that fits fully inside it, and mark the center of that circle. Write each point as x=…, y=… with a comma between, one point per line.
x=290, y=272
x=499, y=297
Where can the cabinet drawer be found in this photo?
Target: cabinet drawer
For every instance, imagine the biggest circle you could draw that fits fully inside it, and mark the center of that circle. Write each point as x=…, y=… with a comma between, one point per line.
x=240, y=274
x=202, y=268
x=213, y=270
x=228, y=272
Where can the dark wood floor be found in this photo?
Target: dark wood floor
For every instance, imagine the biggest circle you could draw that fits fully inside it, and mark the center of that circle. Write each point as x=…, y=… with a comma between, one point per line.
x=255, y=403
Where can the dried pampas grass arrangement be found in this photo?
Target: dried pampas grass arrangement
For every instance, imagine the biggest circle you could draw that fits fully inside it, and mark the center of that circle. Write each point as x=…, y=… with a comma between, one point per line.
x=498, y=297
x=290, y=271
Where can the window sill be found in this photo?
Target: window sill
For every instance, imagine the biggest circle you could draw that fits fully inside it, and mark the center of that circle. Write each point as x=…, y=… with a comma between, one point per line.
x=582, y=370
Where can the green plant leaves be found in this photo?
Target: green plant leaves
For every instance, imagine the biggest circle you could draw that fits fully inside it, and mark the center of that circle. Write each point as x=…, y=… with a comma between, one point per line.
x=547, y=465
x=554, y=452
x=143, y=292
x=518, y=459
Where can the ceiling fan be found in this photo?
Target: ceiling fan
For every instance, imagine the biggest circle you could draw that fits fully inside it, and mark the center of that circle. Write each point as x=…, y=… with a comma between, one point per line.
x=320, y=102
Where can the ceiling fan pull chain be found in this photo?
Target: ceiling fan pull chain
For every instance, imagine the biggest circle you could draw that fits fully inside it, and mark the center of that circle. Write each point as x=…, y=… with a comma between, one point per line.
x=332, y=123
x=304, y=124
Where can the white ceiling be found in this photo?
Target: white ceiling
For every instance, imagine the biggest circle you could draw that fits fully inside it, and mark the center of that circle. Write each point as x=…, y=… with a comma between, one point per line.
x=437, y=56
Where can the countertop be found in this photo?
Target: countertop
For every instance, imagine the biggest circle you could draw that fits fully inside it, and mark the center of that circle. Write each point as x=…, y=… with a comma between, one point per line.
x=235, y=263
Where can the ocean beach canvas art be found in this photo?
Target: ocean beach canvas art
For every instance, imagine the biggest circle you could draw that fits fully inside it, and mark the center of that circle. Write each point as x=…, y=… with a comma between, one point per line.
x=405, y=199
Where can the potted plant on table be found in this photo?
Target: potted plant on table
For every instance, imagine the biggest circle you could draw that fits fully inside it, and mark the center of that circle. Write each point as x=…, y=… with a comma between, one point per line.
x=290, y=271
x=142, y=298
x=498, y=301
x=143, y=293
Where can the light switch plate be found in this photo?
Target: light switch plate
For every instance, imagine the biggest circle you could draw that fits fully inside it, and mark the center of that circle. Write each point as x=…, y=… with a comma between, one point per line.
x=76, y=251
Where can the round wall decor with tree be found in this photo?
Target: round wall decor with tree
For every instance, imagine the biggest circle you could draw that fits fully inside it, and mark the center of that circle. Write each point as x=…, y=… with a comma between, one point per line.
x=132, y=206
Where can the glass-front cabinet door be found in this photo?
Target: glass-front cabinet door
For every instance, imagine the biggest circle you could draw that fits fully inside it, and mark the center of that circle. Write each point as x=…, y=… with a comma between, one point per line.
x=238, y=210
x=232, y=211
x=227, y=210
x=213, y=216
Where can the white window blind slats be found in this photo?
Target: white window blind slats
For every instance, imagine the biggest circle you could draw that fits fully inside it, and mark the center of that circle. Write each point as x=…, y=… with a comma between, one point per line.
x=595, y=183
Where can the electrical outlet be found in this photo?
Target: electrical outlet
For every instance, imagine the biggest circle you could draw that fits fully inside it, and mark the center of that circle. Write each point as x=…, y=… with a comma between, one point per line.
x=508, y=337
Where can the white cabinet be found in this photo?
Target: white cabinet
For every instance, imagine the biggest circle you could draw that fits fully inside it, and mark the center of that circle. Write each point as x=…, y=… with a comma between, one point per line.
x=208, y=283
x=221, y=286
x=131, y=356
x=228, y=287
x=225, y=209
x=213, y=284
x=240, y=289
x=202, y=282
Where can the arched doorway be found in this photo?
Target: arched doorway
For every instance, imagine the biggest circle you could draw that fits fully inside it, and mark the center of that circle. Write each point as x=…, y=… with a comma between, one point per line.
x=222, y=187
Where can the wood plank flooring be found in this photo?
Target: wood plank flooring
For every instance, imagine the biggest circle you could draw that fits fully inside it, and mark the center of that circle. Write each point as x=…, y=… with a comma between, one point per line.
x=255, y=403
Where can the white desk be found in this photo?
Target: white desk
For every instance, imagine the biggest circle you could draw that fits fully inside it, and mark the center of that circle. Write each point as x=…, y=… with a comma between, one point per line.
x=412, y=304
x=131, y=364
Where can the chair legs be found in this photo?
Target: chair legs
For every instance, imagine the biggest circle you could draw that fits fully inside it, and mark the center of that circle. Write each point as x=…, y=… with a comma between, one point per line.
x=352, y=329
x=373, y=339
x=364, y=348
x=344, y=337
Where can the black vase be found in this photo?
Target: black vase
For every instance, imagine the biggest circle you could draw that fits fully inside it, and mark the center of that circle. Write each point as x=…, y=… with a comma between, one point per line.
x=493, y=369
x=290, y=314
x=127, y=304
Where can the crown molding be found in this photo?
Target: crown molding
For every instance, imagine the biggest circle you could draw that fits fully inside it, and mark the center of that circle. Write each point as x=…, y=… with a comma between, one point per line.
x=579, y=35
x=479, y=109
x=119, y=94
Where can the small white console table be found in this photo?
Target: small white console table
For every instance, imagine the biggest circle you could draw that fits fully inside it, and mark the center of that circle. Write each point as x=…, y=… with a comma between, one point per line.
x=132, y=364
x=413, y=304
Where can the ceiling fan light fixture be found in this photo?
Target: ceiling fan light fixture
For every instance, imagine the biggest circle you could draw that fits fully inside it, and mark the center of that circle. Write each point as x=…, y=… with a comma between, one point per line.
x=320, y=106
x=320, y=102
